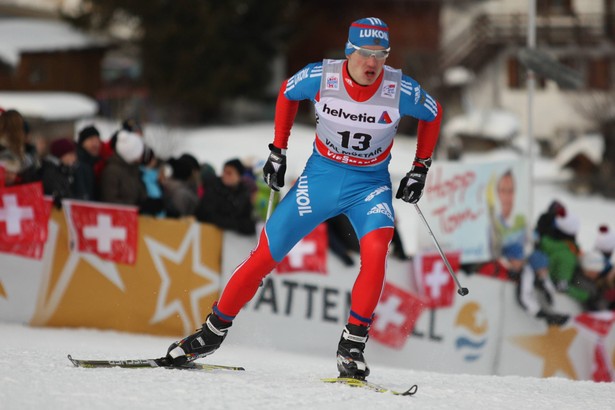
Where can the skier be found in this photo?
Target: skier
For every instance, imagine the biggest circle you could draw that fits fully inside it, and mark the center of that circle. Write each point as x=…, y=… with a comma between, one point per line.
x=359, y=102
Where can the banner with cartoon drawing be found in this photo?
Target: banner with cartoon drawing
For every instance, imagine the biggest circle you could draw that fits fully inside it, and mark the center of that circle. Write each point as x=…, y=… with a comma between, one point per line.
x=477, y=208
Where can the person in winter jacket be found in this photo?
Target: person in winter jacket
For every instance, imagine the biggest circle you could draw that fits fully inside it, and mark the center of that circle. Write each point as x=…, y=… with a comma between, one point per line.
x=226, y=201
x=121, y=179
x=150, y=175
x=563, y=253
x=598, y=267
x=179, y=189
x=58, y=170
x=14, y=132
x=535, y=290
x=88, y=156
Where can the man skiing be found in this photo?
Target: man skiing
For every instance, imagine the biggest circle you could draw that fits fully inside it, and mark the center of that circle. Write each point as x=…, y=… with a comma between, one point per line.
x=358, y=102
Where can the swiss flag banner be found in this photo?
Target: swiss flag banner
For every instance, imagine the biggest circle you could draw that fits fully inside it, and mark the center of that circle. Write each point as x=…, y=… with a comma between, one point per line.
x=602, y=371
x=599, y=326
x=24, y=220
x=434, y=281
x=308, y=255
x=396, y=314
x=107, y=230
x=32, y=250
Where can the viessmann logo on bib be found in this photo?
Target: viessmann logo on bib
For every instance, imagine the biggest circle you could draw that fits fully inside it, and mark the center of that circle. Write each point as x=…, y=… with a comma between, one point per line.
x=340, y=113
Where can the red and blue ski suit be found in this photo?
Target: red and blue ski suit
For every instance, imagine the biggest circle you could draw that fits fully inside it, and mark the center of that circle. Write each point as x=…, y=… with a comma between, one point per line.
x=347, y=173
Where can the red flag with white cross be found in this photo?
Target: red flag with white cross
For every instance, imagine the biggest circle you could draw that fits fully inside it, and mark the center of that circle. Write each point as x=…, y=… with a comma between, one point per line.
x=396, y=315
x=434, y=281
x=24, y=220
x=308, y=255
x=598, y=326
x=109, y=231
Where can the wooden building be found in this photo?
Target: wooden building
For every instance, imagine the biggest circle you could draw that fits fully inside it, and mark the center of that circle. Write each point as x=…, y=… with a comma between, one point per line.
x=49, y=55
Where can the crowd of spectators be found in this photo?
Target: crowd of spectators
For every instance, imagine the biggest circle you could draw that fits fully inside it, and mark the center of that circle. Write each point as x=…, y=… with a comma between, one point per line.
x=125, y=170
x=556, y=263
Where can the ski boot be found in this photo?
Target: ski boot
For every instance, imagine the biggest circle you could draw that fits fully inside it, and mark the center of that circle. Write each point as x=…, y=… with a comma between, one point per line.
x=350, y=360
x=204, y=342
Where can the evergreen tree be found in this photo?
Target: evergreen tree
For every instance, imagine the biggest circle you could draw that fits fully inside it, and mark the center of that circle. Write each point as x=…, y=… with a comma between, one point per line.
x=198, y=54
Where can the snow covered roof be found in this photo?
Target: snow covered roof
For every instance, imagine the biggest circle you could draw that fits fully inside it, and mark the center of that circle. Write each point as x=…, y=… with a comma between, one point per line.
x=590, y=145
x=28, y=34
x=493, y=124
x=51, y=106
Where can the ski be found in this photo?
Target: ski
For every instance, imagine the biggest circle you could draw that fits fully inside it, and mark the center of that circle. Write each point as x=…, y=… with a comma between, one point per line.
x=149, y=363
x=370, y=386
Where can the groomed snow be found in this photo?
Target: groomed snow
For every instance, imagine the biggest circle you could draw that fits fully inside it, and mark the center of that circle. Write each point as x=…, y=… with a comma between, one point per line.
x=35, y=374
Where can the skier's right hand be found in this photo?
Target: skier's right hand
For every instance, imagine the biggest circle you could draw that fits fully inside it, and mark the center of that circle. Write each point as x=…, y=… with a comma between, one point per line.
x=275, y=168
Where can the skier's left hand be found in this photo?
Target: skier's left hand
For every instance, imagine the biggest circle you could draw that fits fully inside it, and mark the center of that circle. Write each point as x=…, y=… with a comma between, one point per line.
x=412, y=185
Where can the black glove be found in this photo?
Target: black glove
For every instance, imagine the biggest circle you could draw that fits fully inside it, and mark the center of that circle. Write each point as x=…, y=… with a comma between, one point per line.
x=412, y=185
x=275, y=168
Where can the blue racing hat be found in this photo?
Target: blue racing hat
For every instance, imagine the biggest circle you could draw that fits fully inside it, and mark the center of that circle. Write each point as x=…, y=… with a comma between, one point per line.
x=370, y=31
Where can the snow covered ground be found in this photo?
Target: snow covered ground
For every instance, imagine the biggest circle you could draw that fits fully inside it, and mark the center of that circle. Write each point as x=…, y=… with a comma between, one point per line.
x=35, y=374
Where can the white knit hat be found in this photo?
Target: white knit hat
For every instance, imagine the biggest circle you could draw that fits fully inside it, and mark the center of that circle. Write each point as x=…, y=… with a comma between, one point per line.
x=605, y=241
x=568, y=223
x=592, y=261
x=129, y=146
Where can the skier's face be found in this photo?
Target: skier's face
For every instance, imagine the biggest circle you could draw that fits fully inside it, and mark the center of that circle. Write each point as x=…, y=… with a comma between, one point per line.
x=365, y=69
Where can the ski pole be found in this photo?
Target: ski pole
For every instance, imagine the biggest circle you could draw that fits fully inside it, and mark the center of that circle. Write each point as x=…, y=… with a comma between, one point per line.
x=270, y=204
x=461, y=290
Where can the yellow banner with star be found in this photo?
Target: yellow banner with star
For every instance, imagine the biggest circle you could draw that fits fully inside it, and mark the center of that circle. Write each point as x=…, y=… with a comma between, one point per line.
x=168, y=291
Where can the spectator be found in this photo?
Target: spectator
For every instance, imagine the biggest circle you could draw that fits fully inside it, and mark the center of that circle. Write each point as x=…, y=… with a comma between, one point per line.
x=535, y=290
x=546, y=221
x=132, y=125
x=150, y=174
x=10, y=166
x=121, y=180
x=180, y=190
x=88, y=155
x=598, y=267
x=206, y=172
x=13, y=137
x=107, y=148
x=58, y=170
x=513, y=259
x=31, y=166
x=41, y=146
x=226, y=201
x=562, y=251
